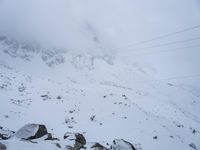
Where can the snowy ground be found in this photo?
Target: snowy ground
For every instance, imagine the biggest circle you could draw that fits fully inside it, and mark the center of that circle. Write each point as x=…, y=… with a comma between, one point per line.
x=106, y=69
x=104, y=101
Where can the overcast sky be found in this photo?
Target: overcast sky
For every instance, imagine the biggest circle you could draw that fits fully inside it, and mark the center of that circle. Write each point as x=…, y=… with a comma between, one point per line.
x=111, y=21
x=102, y=26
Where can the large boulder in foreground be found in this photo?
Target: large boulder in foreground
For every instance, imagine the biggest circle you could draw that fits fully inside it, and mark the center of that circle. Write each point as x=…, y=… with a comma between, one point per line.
x=2, y=146
x=5, y=134
x=120, y=144
x=31, y=131
x=74, y=141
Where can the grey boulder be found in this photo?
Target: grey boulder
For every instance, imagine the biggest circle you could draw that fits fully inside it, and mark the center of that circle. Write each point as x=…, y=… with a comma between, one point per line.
x=120, y=144
x=74, y=141
x=5, y=134
x=31, y=131
x=97, y=146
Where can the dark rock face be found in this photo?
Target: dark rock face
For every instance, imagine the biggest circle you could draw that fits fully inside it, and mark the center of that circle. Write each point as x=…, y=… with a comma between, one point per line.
x=5, y=134
x=75, y=141
x=120, y=144
x=31, y=131
x=2, y=146
x=42, y=130
x=80, y=138
x=98, y=146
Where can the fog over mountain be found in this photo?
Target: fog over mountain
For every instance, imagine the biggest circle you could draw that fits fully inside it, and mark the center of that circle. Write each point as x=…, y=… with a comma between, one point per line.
x=120, y=73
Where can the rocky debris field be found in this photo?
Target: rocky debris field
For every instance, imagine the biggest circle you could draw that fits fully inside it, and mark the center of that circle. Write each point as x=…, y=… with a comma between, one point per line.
x=37, y=133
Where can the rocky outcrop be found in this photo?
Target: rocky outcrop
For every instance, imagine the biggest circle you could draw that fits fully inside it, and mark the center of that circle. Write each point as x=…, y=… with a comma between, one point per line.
x=5, y=134
x=97, y=146
x=120, y=144
x=31, y=131
x=26, y=51
x=71, y=141
x=74, y=141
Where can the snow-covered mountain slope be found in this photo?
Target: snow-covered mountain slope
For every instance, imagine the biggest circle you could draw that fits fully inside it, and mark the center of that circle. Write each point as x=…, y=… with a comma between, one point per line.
x=103, y=100
x=97, y=68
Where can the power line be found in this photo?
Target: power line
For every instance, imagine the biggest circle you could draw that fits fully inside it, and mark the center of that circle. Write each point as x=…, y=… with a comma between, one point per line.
x=170, y=78
x=159, y=37
x=180, y=48
x=149, y=81
x=169, y=43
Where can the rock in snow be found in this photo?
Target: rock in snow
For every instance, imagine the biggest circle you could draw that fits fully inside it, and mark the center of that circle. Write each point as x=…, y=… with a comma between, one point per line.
x=192, y=145
x=75, y=141
x=72, y=141
x=120, y=144
x=98, y=146
x=50, y=137
x=5, y=134
x=2, y=146
x=31, y=131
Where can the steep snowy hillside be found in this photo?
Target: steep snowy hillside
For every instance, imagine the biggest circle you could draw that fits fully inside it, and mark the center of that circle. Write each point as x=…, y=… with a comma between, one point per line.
x=103, y=100
x=118, y=75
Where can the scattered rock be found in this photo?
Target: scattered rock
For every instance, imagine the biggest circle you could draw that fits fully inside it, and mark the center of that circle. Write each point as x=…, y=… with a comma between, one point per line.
x=75, y=141
x=31, y=131
x=70, y=122
x=59, y=97
x=180, y=126
x=5, y=134
x=192, y=145
x=21, y=102
x=50, y=137
x=4, y=86
x=45, y=97
x=22, y=88
x=170, y=84
x=6, y=116
x=70, y=127
x=58, y=145
x=124, y=96
x=194, y=131
x=155, y=137
x=2, y=146
x=92, y=118
x=98, y=146
x=120, y=144
x=71, y=111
